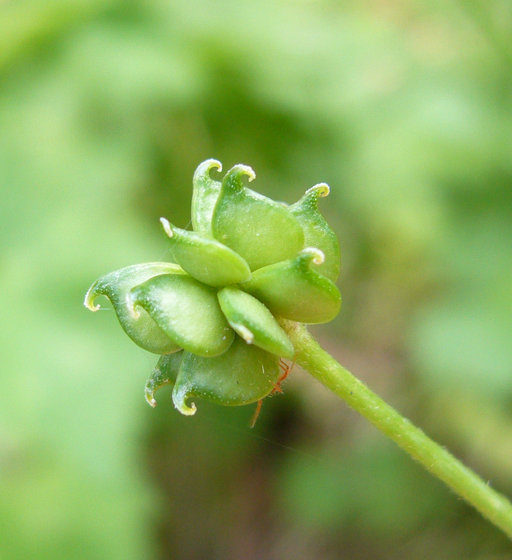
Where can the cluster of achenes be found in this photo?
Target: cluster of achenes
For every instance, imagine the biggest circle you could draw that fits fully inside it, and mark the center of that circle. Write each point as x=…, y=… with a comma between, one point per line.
x=211, y=313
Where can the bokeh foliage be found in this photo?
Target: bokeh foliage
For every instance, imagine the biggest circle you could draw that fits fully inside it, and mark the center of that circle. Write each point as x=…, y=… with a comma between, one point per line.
x=106, y=108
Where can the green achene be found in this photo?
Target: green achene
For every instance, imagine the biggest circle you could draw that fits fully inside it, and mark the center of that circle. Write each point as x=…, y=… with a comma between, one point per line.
x=293, y=290
x=257, y=228
x=254, y=322
x=242, y=375
x=204, y=258
x=187, y=311
x=317, y=232
x=116, y=286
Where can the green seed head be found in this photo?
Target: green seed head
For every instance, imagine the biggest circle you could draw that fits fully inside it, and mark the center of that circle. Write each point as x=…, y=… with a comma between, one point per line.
x=213, y=316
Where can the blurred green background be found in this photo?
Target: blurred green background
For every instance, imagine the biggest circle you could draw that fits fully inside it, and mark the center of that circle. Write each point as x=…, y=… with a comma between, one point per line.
x=106, y=108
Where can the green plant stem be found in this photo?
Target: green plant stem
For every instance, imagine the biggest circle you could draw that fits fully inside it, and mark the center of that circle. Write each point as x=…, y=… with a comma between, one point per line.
x=437, y=460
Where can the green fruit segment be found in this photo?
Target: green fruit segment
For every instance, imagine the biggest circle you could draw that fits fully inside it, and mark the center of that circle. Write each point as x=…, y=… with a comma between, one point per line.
x=260, y=230
x=116, y=286
x=254, y=322
x=243, y=374
x=187, y=311
x=165, y=373
x=293, y=290
x=204, y=258
x=317, y=232
x=204, y=196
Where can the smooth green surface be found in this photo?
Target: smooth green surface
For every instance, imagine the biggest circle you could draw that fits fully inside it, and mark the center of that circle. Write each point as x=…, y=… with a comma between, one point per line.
x=257, y=228
x=116, y=286
x=254, y=322
x=205, y=259
x=432, y=456
x=317, y=232
x=294, y=290
x=187, y=311
x=165, y=373
x=242, y=375
x=204, y=196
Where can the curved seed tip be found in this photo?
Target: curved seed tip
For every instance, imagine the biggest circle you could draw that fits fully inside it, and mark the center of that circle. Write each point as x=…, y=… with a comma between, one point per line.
x=150, y=398
x=204, y=167
x=240, y=169
x=179, y=399
x=322, y=190
x=167, y=227
x=90, y=296
x=149, y=391
x=313, y=254
x=315, y=192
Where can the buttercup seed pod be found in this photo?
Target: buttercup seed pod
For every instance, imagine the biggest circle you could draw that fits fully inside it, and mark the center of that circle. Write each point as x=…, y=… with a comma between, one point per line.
x=213, y=316
x=247, y=280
